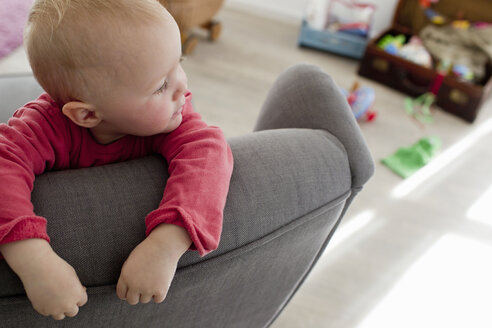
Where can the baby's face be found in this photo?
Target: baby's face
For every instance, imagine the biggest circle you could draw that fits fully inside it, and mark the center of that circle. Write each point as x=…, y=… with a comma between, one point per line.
x=146, y=96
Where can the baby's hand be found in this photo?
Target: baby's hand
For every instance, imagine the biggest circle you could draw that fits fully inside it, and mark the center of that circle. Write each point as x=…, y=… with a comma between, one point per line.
x=51, y=284
x=150, y=268
x=54, y=288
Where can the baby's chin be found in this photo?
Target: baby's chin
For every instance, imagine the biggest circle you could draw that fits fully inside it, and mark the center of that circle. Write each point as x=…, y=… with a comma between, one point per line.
x=174, y=123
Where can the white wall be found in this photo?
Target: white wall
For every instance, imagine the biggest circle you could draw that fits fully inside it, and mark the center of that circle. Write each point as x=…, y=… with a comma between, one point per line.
x=293, y=10
x=288, y=9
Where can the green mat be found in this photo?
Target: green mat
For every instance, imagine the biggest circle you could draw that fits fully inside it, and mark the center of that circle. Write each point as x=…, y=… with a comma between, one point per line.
x=408, y=160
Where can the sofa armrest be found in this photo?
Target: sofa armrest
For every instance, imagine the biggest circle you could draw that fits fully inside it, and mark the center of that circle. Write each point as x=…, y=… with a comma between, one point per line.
x=305, y=97
x=96, y=215
x=15, y=91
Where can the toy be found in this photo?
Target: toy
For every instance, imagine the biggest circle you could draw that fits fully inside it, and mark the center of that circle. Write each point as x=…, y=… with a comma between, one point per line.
x=350, y=16
x=361, y=100
x=463, y=72
x=354, y=28
x=415, y=51
x=444, y=66
x=460, y=69
x=419, y=108
x=392, y=44
x=434, y=17
x=431, y=14
x=463, y=24
x=408, y=160
x=427, y=3
x=480, y=25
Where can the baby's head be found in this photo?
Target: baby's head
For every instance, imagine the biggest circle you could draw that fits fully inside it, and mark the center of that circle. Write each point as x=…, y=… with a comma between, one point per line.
x=105, y=53
x=73, y=45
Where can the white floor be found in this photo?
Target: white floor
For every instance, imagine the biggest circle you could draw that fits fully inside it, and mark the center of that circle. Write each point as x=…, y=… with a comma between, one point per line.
x=410, y=253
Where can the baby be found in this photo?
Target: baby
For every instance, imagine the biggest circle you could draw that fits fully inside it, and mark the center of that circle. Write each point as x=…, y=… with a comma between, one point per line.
x=115, y=91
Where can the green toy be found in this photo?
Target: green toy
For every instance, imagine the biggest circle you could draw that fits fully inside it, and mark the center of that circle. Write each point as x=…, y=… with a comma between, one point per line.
x=392, y=44
x=419, y=108
x=408, y=160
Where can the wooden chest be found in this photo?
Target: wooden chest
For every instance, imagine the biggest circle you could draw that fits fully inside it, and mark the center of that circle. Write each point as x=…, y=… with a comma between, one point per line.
x=452, y=94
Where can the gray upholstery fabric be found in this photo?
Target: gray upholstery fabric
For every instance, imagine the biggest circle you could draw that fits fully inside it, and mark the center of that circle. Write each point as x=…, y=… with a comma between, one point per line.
x=289, y=190
x=306, y=97
x=243, y=288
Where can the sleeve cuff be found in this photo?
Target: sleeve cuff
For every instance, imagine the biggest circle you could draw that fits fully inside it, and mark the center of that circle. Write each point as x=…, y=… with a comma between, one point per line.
x=23, y=228
x=180, y=218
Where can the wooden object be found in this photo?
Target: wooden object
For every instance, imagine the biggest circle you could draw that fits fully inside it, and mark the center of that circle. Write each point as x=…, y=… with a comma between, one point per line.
x=457, y=97
x=190, y=14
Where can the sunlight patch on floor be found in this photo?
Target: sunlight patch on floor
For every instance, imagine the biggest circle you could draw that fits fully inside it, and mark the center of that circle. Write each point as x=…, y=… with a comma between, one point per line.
x=350, y=227
x=449, y=286
x=347, y=229
x=481, y=210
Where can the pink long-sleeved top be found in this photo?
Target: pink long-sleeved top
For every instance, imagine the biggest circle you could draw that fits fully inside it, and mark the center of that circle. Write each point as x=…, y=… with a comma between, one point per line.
x=39, y=138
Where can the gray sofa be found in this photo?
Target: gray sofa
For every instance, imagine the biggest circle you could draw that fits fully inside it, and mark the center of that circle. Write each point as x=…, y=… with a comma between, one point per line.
x=293, y=180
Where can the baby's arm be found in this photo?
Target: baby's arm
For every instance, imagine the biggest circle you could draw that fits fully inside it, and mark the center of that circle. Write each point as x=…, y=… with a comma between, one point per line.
x=33, y=141
x=190, y=213
x=150, y=268
x=200, y=167
x=51, y=284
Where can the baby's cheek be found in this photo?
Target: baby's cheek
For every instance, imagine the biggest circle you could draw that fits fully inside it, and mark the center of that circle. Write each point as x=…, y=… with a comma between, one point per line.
x=174, y=123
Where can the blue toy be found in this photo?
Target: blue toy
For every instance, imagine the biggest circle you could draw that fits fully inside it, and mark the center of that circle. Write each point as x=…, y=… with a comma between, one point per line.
x=361, y=100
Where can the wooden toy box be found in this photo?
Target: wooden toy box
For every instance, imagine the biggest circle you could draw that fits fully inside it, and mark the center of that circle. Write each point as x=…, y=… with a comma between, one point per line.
x=454, y=96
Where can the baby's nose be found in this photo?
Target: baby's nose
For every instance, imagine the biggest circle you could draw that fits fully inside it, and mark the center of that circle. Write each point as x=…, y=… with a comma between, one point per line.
x=180, y=90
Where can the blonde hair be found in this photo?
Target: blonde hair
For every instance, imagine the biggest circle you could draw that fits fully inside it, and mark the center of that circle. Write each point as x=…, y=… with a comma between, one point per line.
x=66, y=41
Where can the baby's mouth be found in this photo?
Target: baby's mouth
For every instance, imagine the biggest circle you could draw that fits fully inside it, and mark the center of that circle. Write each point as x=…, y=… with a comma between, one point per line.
x=180, y=109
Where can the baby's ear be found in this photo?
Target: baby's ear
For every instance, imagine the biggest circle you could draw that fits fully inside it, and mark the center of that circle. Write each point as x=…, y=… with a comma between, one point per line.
x=81, y=113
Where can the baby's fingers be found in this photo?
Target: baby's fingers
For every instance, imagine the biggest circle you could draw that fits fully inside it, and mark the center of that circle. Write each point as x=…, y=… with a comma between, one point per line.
x=73, y=312
x=145, y=298
x=59, y=316
x=159, y=297
x=132, y=297
x=121, y=290
x=83, y=299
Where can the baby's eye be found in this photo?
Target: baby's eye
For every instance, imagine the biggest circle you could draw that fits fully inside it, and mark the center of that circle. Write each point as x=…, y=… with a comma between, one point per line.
x=162, y=88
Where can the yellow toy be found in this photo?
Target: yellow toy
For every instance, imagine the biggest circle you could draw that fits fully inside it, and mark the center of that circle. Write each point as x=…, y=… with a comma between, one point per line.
x=464, y=24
